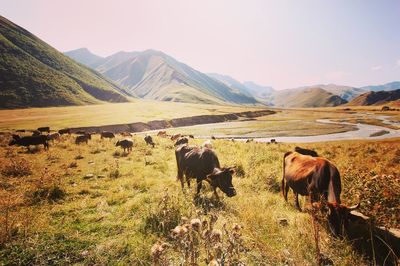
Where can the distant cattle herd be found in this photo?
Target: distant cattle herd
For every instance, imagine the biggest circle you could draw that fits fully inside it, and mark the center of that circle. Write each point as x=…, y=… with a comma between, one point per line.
x=303, y=171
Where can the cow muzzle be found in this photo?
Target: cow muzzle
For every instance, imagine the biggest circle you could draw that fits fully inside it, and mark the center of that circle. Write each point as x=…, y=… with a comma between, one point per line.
x=231, y=192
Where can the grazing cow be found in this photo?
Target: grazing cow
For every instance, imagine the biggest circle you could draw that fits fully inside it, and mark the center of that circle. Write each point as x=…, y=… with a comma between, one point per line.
x=64, y=131
x=126, y=134
x=162, y=134
x=191, y=136
x=207, y=144
x=176, y=136
x=203, y=164
x=29, y=140
x=126, y=144
x=36, y=133
x=315, y=177
x=44, y=129
x=83, y=138
x=212, y=137
x=53, y=136
x=273, y=141
x=149, y=140
x=181, y=141
x=306, y=151
x=107, y=134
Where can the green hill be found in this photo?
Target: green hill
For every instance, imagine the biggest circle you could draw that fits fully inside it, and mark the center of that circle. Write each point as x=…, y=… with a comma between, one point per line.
x=33, y=74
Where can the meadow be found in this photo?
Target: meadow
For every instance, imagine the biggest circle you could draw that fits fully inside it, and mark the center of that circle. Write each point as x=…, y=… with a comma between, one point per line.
x=93, y=204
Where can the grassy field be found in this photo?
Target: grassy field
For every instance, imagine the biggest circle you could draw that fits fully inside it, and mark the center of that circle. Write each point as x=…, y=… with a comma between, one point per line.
x=92, y=204
x=106, y=114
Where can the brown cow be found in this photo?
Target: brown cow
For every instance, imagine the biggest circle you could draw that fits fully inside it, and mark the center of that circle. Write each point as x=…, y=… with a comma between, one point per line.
x=126, y=134
x=162, y=134
x=64, y=131
x=175, y=136
x=53, y=136
x=315, y=177
x=203, y=164
x=107, y=134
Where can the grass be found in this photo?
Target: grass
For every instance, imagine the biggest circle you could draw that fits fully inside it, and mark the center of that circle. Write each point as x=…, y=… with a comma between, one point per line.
x=132, y=201
x=106, y=114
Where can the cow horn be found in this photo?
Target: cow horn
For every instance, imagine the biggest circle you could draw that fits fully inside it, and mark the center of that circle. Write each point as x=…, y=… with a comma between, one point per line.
x=354, y=207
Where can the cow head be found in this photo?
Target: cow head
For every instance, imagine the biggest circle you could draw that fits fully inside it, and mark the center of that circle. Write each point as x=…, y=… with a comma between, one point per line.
x=222, y=178
x=14, y=140
x=118, y=143
x=338, y=217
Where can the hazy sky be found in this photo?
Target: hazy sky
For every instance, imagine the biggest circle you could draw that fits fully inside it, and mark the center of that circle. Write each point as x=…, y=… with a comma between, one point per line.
x=281, y=43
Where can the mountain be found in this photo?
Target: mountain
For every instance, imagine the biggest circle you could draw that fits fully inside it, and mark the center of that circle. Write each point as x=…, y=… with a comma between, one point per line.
x=33, y=74
x=386, y=87
x=84, y=56
x=306, y=97
x=377, y=98
x=154, y=75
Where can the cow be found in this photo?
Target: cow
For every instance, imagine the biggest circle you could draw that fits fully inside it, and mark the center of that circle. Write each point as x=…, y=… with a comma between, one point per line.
x=191, y=136
x=80, y=132
x=36, y=133
x=213, y=137
x=53, y=136
x=316, y=178
x=306, y=151
x=175, y=136
x=273, y=141
x=149, y=140
x=126, y=134
x=83, y=138
x=126, y=144
x=180, y=141
x=249, y=140
x=29, y=140
x=107, y=134
x=162, y=134
x=207, y=144
x=64, y=131
x=44, y=129
x=203, y=164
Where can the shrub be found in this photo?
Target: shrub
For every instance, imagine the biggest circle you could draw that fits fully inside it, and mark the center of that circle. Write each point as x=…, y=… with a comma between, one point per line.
x=17, y=168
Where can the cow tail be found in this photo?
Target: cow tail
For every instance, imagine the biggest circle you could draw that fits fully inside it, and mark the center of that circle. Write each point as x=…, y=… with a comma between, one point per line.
x=283, y=174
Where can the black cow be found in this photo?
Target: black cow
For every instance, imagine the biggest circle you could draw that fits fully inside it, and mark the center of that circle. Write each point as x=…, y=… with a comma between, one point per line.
x=107, y=134
x=125, y=144
x=36, y=133
x=203, y=164
x=83, y=138
x=29, y=140
x=64, y=131
x=149, y=140
x=180, y=141
x=44, y=129
x=306, y=151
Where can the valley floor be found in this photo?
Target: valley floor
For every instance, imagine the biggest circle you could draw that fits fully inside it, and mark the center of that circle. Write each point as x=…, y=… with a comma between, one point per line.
x=93, y=204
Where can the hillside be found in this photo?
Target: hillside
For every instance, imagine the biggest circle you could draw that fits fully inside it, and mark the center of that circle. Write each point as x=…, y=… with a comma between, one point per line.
x=376, y=98
x=308, y=97
x=155, y=75
x=33, y=74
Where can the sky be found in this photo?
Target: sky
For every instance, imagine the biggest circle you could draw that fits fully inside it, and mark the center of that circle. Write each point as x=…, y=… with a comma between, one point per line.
x=280, y=43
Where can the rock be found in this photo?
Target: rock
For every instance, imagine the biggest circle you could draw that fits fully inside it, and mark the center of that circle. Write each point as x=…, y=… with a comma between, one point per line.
x=88, y=176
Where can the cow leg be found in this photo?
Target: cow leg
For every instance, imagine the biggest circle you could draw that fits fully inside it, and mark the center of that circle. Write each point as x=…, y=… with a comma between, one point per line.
x=286, y=191
x=296, y=195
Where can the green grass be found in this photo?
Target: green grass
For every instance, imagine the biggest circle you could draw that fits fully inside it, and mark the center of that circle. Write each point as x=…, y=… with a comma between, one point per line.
x=118, y=212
